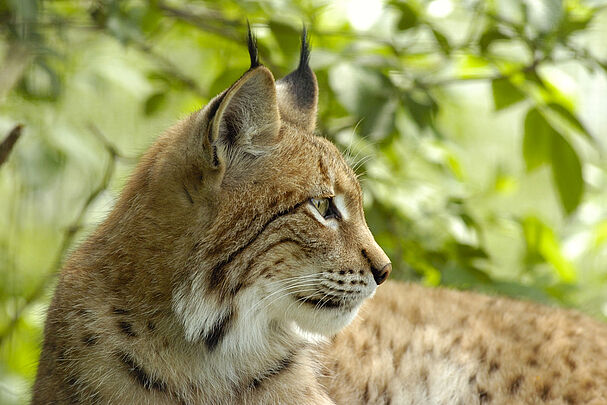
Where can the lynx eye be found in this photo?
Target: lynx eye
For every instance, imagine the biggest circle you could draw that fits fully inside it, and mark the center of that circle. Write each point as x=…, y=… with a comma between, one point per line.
x=325, y=207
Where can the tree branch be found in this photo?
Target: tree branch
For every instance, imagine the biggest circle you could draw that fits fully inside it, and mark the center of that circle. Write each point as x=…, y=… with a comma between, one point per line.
x=9, y=142
x=68, y=235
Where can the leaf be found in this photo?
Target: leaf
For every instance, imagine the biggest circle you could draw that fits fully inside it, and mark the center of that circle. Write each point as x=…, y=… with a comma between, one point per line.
x=543, y=144
x=442, y=41
x=566, y=173
x=505, y=93
x=408, y=16
x=568, y=116
x=489, y=36
x=367, y=94
x=422, y=112
x=41, y=82
x=542, y=242
x=572, y=23
x=154, y=102
x=464, y=276
x=534, y=77
x=536, y=139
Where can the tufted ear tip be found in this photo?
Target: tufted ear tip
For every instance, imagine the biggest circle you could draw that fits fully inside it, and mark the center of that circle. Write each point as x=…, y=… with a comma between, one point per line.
x=252, y=45
x=298, y=91
x=304, y=54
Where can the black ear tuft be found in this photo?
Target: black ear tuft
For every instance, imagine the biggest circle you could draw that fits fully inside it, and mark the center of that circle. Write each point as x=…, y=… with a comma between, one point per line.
x=304, y=55
x=298, y=91
x=252, y=44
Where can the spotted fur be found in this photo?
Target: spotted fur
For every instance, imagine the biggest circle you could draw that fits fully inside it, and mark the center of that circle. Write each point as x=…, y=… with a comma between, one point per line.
x=217, y=280
x=414, y=345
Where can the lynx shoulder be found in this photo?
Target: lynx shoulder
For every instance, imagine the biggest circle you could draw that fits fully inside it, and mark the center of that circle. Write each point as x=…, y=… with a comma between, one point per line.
x=236, y=256
x=416, y=345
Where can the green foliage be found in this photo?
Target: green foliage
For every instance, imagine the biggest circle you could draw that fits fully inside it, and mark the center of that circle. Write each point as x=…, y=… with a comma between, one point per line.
x=543, y=144
x=477, y=127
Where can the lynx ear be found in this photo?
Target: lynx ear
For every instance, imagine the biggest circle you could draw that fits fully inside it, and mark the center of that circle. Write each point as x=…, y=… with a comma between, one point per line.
x=298, y=91
x=246, y=120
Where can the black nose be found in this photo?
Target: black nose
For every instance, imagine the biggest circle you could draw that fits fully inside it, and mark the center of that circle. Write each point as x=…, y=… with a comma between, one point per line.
x=380, y=275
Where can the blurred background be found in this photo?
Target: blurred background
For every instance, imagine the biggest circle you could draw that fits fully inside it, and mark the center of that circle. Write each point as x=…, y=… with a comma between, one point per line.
x=479, y=130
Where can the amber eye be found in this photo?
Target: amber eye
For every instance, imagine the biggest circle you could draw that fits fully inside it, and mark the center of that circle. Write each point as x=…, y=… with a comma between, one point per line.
x=321, y=205
x=325, y=207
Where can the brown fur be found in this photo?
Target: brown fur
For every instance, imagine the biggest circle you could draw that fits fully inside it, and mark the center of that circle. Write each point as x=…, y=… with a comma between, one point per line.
x=415, y=345
x=214, y=279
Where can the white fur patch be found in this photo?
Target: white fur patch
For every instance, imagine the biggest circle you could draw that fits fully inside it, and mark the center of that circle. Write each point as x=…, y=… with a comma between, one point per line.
x=340, y=203
x=249, y=332
x=331, y=223
x=310, y=337
x=196, y=310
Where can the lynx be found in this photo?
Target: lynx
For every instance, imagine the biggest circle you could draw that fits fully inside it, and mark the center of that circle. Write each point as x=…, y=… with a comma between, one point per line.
x=237, y=267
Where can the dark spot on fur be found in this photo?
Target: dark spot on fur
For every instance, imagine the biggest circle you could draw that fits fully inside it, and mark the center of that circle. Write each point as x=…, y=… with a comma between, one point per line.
x=493, y=367
x=236, y=288
x=532, y=362
x=151, y=326
x=570, y=363
x=571, y=398
x=366, y=394
x=544, y=391
x=588, y=385
x=424, y=374
x=215, y=157
x=140, y=375
x=119, y=311
x=187, y=193
x=127, y=328
x=515, y=385
x=364, y=254
x=463, y=320
x=472, y=379
x=484, y=396
x=72, y=381
x=282, y=365
x=218, y=331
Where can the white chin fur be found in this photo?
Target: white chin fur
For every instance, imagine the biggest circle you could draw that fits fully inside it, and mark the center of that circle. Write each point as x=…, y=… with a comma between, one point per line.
x=321, y=321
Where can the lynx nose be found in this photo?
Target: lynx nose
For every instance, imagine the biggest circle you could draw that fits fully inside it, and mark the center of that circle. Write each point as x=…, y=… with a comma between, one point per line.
x=380, y=275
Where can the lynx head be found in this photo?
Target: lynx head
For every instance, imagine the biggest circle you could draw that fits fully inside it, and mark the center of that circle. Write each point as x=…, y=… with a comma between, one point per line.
x=267, y=217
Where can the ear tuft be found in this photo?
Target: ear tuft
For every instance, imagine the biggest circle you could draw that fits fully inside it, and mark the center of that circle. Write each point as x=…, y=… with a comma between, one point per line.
x=252, y=45
x=304, y=54
x=298, y=91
